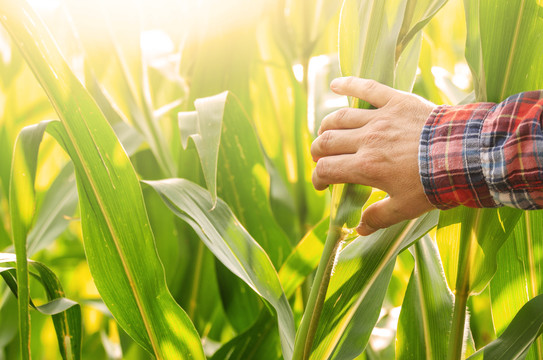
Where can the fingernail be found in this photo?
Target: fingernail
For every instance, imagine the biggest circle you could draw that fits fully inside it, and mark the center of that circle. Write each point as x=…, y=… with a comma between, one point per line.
x=335, y=83
x=365, y=230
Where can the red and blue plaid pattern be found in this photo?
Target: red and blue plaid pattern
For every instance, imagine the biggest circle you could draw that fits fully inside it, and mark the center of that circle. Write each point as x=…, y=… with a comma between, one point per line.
x=485, y=154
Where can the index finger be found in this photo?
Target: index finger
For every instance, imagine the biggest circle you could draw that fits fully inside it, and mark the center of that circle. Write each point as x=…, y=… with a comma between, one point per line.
x=368, y=90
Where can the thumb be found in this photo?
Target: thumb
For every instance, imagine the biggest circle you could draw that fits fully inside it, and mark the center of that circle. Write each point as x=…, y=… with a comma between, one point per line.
x=380, y=215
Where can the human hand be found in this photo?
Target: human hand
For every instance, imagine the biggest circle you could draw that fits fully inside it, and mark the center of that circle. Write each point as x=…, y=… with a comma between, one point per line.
x=378, y=148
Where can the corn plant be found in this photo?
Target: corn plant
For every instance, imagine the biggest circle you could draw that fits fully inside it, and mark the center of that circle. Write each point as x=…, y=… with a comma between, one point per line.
x=163, y=201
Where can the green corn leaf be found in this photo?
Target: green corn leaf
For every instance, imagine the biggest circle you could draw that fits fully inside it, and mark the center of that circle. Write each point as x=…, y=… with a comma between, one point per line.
x=374, y=34
x=515, y=342
x=503, y=46
x=417, y=14
x=368, y=47
x=474, y=49
x=347, y=318
x=258, y=342
x=203, y=302
x=222, y=233
x=201, y=299
x=286, y=142
x=8, y=315
x=9, y=274
x=22, y=200
x=372, y=38
x=304, y=258
x=519, y=277
x=229, y=148
x=118, y=29
x=149, y=313
x=346, y=204
x=5, y=238
x=502, y=38
x=59, y=204
x=469, y=240
x=367, y=38
x=241, y=305
x=345, y=208
x=234, y=166
x=206, y=134
x=409, y=63
x=114, y=221
x=66, y=313
x=355, y=338
x=60, y=201
x=299, y=25
x=68, y=322
x=6, y=148
x=427, y=309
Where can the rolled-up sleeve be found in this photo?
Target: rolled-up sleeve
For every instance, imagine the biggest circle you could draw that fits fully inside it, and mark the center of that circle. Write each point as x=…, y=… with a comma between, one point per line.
x=484, y=154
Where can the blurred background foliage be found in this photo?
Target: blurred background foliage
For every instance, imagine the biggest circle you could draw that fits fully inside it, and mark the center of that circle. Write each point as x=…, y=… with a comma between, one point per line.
x=144, y=62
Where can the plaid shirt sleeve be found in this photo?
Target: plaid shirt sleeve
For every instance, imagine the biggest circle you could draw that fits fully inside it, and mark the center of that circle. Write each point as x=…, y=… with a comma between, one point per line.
x=485, y=154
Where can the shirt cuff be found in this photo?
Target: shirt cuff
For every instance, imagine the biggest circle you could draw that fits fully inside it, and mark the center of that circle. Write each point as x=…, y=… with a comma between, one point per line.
x=512, y=151
x=450, y=157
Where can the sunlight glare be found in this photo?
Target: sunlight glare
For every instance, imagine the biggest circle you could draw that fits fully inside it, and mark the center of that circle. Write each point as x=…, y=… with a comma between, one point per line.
x=298, y=70
x=462, y=76
x=220, y=14
x=155, y=44
x=44, y=5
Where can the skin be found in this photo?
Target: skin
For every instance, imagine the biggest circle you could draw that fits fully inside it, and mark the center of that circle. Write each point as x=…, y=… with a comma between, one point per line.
x=377, y=147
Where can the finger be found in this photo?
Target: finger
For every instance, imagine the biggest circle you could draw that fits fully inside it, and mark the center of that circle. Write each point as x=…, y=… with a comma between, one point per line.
x=336, y=169
x=334, y=142
x=380, y=215
x=346, y=118
x=368, y=90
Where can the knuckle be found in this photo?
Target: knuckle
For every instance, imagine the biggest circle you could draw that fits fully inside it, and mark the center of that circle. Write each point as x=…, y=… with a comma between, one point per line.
x=315, y=148
x=341, y=115
x=372, y=168
x=323, y=169
x=362, y=163
x=401, y=107
x=325, y=141
x=374, y=137
x=375, y=221
x=371, y=85
x=316, y=181
x=349, y=81
x=398, y=212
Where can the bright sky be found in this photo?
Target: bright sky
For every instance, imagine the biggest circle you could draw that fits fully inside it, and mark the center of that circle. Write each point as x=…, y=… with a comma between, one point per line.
x=183, y=12
x=163, y=20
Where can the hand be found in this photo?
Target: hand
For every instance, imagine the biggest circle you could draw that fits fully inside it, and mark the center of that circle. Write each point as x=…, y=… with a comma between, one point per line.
x=378, y=148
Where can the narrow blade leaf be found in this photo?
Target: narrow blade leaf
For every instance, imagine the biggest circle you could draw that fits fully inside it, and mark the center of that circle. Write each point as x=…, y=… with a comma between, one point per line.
x=469, y=240
x=259, y=341
x=519, y=277
x=516, y=340
x=358, y=267
x=232, y=245
x=427, y=309
x=66, y=313
x=22, y=200
x=116, y=230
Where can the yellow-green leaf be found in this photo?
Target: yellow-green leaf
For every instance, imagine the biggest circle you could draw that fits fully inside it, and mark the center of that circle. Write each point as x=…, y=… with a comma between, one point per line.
x=116, y=230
